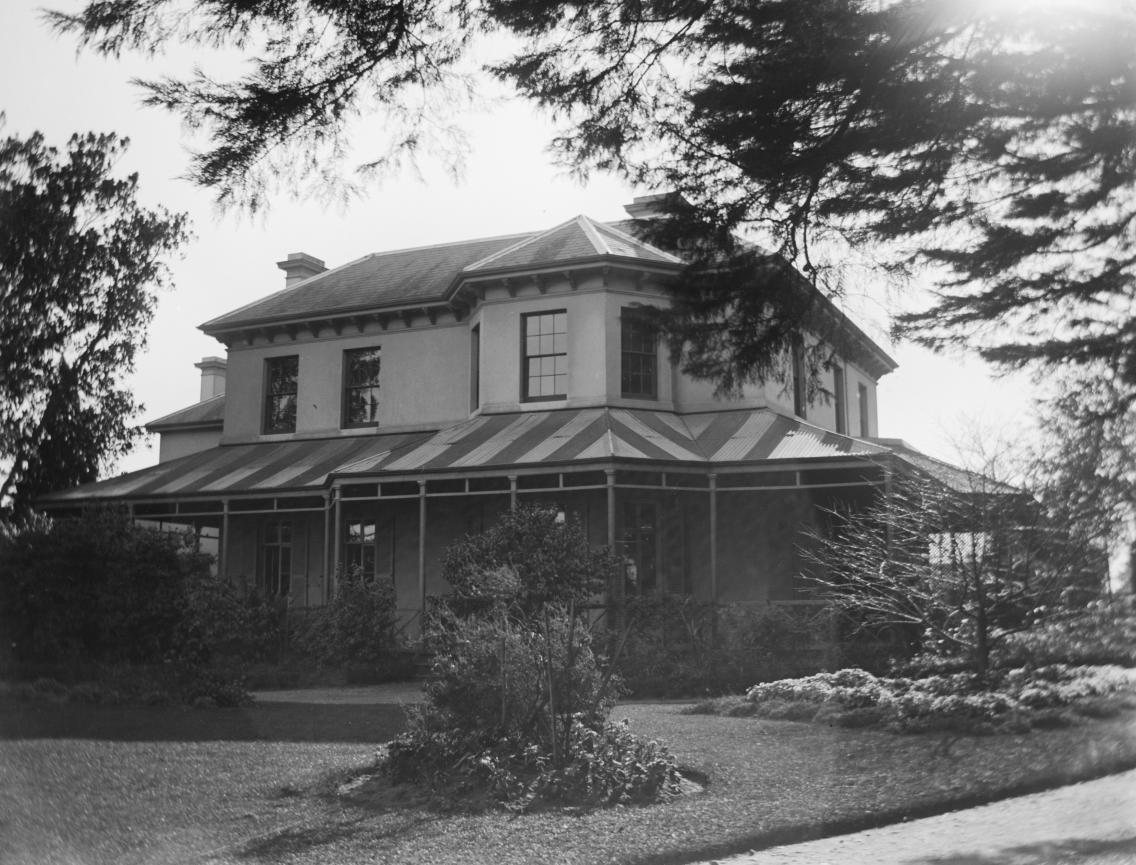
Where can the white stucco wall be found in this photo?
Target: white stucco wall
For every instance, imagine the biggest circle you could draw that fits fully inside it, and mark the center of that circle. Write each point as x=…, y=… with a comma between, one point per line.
x=424, y=381
x=425, y=378
x=180, y=443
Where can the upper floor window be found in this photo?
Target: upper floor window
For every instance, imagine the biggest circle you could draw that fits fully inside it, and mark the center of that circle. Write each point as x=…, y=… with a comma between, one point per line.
x=639, y=368
x=475, y=368
x=840, y=398
x=800, y=382
x=544, y=371
x=280, y=394
x=361, y=387
x=862, y=398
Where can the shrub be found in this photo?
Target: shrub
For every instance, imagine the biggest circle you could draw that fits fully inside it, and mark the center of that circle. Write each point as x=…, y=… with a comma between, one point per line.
x=955, y=701
x=517, y=710
x=358, y=627
x=222, y=621
x=676, y=646
x=95, y=588
x=530, y=558
x=1104, y=632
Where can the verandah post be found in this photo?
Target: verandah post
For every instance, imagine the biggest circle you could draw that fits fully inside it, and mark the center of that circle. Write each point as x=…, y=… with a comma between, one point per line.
x=422, y=556
x=712, y=479
x=223, y=567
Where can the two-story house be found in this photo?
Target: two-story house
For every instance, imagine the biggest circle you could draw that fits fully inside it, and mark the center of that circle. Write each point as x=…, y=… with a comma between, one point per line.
x=371, y=413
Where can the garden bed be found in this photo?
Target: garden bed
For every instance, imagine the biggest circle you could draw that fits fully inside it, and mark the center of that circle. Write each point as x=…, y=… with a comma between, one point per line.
x=121, y=784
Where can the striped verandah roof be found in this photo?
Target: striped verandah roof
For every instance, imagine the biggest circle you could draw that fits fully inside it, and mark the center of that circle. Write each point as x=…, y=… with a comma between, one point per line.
x=559, y=438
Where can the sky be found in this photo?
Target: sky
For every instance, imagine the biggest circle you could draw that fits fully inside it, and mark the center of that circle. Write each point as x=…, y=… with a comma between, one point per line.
x=510, y=184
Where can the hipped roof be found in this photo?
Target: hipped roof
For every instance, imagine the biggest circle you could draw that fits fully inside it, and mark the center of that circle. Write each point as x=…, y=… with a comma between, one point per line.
x=431, y=274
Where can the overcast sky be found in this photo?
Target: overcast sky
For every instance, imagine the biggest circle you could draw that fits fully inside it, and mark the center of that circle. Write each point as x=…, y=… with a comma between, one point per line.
x=509, y=185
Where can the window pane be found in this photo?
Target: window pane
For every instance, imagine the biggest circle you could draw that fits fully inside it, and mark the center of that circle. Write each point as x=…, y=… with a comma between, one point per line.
x=560, y=323
x=560, y=343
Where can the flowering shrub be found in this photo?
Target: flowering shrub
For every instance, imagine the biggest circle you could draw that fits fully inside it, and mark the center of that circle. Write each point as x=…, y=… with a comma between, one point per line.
x=908, y=704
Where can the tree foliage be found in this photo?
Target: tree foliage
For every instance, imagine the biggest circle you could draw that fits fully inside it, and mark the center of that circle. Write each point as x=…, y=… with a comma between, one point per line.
x=995, y=141
x=79, y=262
x=957, y=570
x=1086, y=459
x=529, y=558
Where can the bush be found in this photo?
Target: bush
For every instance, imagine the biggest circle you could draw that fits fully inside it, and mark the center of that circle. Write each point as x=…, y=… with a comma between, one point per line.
x=358, y=627
x=956, y=701
x=132, y=611
x=517, y=711
x=92, y=589
x=223, y=622
x=676, y=646
x=518, y=707
x=529, y=558
x=1102, y=633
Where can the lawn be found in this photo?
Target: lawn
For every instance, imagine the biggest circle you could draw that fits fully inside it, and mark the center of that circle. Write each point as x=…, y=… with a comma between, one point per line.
x=95, y=785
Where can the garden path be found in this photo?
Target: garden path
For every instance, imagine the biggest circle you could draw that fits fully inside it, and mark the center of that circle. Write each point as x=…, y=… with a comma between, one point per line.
x=1092, y=823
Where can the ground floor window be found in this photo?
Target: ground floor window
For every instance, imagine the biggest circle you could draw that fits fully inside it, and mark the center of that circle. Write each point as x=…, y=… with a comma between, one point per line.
x=639, y=545
x=359, y=548
x=277, y=558
x=369, y=546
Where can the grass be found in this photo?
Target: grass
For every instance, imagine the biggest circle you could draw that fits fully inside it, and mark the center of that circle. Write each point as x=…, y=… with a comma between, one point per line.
x=258, y=785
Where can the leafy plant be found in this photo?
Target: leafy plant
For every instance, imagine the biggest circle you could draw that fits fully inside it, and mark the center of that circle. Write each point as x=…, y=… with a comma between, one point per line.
x=358, y=626
x=530, y=558
x=518, y=705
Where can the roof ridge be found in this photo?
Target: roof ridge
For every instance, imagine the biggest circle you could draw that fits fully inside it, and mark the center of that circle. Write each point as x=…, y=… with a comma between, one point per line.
x=587, y=225
x=623, y=235
x=531, y=238
x=800, y=421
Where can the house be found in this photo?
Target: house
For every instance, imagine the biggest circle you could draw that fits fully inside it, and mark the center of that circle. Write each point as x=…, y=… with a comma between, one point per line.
x=371, y=413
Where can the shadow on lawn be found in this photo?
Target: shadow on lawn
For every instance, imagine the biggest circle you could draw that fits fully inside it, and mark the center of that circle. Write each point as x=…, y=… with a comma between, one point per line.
x=1044, y=853
x=276, y=722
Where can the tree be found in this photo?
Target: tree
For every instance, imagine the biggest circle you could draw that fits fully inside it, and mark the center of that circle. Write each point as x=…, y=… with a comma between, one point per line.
x=80, y=260
x=1085, y=460
x=993, y=140
x=957, y=570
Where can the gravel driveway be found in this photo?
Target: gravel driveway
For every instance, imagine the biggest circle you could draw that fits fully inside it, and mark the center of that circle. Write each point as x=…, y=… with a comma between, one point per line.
x=1092, y=822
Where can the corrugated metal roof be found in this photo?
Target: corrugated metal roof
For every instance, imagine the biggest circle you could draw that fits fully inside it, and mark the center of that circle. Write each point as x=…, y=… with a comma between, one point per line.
x=210, y=412
x=236, y=469
x=958, y=479
x=499, y=441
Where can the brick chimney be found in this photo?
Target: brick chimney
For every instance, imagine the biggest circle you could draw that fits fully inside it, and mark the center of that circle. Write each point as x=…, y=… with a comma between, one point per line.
x=212, y=377
x=651, y=206
x=299, y=266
